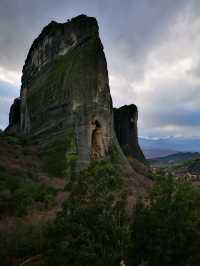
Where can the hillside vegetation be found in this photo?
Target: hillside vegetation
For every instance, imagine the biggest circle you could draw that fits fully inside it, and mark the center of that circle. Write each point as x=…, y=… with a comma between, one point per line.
x=93, y=226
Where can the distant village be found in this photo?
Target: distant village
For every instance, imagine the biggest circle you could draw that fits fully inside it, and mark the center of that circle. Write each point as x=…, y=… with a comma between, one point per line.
x=194, y=177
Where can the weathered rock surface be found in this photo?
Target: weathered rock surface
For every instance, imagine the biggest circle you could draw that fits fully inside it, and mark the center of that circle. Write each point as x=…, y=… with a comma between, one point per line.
x=125, y=120
x=65, y=97
x=65, y=102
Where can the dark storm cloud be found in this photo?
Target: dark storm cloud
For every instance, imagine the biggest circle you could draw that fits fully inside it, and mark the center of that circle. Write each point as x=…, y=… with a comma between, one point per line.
x=152, y=48
x=130, y=26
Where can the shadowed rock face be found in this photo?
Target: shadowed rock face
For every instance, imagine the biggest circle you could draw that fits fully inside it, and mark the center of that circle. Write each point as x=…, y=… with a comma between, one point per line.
x=14, y=116
x=125, y=120
x=65, y=102
x=65, y=97
x=65, y=74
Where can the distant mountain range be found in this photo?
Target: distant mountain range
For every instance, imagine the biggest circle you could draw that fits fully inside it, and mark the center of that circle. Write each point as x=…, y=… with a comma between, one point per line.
x=177, y=158
x=159, y=147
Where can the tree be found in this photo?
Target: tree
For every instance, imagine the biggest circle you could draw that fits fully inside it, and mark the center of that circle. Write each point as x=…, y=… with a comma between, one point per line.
x=166, y=227
x=92, y=229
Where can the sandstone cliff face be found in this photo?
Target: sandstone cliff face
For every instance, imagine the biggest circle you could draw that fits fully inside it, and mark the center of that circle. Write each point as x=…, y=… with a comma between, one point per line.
x=65, y=102
x=65, y=97
x=125, y=120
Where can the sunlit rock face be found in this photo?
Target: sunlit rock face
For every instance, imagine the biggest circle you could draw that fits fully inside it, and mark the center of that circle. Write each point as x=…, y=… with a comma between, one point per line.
x=125, y=119
x=65, y=95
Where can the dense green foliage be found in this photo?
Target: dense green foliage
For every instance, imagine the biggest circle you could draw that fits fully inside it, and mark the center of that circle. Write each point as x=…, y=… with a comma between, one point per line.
x=93, y=228
x=19, y=193
x=21, y=242
x=166, y=228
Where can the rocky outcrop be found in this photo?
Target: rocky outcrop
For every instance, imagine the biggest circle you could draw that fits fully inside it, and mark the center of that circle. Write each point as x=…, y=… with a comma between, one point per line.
x=60, y=73
x=14, y=116
x=125, y=120
x=65, y=103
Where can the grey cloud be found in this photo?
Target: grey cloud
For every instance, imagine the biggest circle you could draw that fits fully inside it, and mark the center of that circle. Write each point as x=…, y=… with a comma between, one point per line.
x=7, y=94
x=195, y=71
x=5, y=104
x=7, y=90
x=129, y=27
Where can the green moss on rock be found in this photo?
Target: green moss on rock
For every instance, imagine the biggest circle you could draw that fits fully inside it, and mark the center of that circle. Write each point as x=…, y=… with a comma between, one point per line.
x=54, y=157
x=60, y=155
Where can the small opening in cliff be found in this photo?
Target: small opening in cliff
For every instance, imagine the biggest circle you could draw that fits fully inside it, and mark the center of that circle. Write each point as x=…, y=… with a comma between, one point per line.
x=98, y=150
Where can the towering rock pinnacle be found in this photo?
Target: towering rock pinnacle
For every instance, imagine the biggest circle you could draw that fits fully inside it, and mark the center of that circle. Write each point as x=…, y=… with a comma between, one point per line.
x=125, y=119
x=65, y=102
x=65, y=97
x=14, y=116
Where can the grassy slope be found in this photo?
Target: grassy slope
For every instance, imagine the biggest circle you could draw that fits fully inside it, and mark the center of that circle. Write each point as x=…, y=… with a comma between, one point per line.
x=28, y=199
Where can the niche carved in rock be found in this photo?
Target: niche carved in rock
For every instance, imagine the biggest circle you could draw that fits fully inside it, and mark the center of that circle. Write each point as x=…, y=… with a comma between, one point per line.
x=98, y=148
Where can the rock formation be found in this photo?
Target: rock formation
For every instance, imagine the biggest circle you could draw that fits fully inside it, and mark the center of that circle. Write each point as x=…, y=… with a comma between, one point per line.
x=14, y=116
x=125, y=120
x=65, y=102
x=64, y=119
x=65, y=95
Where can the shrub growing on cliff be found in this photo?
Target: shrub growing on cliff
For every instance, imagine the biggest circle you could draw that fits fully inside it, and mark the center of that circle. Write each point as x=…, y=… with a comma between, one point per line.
x=166, y=229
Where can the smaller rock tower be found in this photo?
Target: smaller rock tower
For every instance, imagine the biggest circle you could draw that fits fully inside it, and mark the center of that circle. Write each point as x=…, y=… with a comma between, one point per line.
x=125, y=120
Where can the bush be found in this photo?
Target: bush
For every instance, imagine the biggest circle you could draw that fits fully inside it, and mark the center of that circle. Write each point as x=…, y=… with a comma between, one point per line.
x=22, y=242
x=166, y=228
x=18, y=194
x=92, y=229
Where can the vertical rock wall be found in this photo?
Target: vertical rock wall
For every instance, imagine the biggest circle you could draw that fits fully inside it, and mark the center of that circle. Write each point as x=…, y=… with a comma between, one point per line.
x=126, y=130
x=65, y=95
x=65, y=102
x=14, y=117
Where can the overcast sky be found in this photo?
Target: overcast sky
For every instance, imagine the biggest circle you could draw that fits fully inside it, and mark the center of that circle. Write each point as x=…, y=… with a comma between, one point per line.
x=152, y=49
